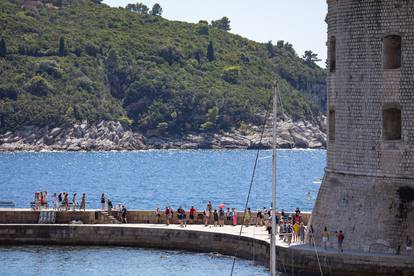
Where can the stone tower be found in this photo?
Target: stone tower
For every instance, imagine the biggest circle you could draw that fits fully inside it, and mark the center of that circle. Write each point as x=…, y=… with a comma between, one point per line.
x=368, y=187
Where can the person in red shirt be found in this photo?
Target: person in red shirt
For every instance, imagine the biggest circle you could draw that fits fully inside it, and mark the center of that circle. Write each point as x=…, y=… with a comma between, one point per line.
x=192, y=214
x=340, y=236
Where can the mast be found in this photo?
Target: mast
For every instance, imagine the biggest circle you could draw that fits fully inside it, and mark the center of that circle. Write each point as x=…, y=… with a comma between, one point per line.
x=274, y=163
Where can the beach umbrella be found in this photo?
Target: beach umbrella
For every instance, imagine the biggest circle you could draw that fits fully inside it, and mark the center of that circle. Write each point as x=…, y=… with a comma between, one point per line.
x=221, y=205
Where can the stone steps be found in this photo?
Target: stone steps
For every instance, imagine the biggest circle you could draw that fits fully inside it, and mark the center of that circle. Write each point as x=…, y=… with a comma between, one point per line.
x=107, y=218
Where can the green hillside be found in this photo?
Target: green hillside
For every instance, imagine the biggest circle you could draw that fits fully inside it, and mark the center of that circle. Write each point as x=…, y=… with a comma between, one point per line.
x=71, y=60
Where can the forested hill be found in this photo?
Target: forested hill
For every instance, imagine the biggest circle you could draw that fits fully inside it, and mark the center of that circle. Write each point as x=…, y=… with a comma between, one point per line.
x=65, y=61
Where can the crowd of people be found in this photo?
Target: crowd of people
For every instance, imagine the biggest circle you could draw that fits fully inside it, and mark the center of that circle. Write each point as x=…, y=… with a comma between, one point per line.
x=210, y=216
x=119, y=209
x=290, y=226
x=60, y=201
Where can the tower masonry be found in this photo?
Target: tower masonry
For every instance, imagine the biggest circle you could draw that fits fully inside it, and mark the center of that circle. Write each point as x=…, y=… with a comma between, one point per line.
x=368, y=186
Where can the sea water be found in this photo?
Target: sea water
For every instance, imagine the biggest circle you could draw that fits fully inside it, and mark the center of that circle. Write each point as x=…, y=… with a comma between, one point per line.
x=48, y=260
x=147, y=180
x=151, y=179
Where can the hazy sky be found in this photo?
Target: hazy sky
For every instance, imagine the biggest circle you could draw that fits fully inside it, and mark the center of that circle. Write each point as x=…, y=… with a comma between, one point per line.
x=301, y=22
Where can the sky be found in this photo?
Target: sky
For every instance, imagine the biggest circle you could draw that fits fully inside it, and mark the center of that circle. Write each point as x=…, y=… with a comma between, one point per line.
x=300, y=22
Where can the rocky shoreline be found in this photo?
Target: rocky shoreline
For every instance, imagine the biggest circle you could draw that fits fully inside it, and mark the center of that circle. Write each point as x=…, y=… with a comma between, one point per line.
x=114, y=136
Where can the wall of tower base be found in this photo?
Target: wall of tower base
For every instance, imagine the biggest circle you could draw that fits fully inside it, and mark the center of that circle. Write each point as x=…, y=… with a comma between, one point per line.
x=375, y=213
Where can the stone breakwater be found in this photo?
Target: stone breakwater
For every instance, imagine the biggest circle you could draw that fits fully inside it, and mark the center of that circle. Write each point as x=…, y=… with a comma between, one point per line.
x=252, y=245
x=112, y=135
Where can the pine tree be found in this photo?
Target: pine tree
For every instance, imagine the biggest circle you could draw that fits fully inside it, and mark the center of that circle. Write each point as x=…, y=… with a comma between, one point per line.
x=3, y=48
x=156, y=10
x=61, y=46
x=210, y=52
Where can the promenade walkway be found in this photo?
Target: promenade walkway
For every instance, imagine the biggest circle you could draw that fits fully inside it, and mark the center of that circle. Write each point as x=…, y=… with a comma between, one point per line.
x=21, y=226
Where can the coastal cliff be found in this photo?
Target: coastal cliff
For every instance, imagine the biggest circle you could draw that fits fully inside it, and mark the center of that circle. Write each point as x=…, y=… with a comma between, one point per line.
x=113, y=135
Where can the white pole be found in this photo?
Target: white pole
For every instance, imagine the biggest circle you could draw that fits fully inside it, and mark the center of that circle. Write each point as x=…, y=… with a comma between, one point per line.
x=274, y=162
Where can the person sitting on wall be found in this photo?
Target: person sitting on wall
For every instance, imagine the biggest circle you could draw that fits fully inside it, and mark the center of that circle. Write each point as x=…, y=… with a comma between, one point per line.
x=200, y=217
x=259, y=218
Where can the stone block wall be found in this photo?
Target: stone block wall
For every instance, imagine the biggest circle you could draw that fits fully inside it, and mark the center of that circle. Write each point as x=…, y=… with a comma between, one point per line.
x=368, y=188
x=14, y=216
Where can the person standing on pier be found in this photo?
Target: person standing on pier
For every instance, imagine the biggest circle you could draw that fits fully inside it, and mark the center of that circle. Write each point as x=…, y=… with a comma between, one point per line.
x=302, y=232
x=45, y=199
x=296, y=229
x=259, y=218
x=247, y=216
x=340, y=236
x=216, y=217
x=74, y=203
x=192, y=214
x=228, y=215
x=168, y=215
x=124, y=214
x=83, y=202
x=157, y=216
x=54, y=199
x=325, y=238
x=41, y=200
x=409, y=246
x=206, y=218
x=66, y=199
x=60, y=200
x=221, y=217
x=310, y=235
x=109, y=202
x=234, y=217
x=102, y=201
x=210, y=209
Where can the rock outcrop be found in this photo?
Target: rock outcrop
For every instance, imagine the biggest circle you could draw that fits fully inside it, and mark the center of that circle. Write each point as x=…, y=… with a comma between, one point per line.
x=113, y=136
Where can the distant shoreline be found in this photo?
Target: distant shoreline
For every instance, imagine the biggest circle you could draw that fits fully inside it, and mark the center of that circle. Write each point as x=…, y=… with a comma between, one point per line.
x=113, y=136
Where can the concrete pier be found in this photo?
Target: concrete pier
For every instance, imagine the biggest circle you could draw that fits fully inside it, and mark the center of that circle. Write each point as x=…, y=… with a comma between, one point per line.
x=252, y=245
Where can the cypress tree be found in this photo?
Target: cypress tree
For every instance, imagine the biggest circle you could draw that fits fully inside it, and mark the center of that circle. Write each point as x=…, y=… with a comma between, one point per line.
x=61, y=46
x=210, y=52
x=3, y=48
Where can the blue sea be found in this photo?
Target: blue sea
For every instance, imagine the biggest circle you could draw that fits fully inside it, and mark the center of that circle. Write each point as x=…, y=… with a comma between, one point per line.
x=147, y=180
x=91, y=261
x=151, y=179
